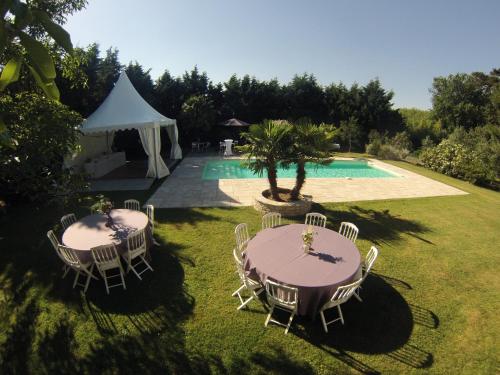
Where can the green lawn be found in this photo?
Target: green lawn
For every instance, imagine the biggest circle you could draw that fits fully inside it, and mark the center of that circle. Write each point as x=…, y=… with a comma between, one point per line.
x=431, y=304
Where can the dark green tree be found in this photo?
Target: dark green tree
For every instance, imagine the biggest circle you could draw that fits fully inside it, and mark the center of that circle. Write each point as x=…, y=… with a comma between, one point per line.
x=459, y=100
x=350, y=132
x=196, y=119
x=141, y=79
x=304, y=98
x=169, y=94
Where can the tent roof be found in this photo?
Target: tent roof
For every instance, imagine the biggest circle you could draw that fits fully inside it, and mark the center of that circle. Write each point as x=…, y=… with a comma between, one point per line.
x=123, y=109
x=234, y=122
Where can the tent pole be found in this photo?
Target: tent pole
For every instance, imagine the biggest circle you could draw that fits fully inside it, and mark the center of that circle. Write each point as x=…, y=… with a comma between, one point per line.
x=156, y=156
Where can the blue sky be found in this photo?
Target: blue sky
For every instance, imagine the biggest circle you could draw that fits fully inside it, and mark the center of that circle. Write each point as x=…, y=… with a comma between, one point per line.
x=403, y=43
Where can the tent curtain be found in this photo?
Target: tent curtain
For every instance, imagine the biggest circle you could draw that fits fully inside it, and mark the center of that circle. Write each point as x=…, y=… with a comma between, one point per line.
x=151, y=142
x=110, y=136
x=173, y=134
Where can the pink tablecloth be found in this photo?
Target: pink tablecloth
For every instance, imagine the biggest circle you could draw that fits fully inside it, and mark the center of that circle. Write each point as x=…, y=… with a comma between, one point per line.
x=91, y=231
x=277, y=254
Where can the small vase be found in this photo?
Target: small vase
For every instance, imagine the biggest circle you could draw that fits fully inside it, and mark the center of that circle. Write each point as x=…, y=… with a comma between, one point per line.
x=306, y=248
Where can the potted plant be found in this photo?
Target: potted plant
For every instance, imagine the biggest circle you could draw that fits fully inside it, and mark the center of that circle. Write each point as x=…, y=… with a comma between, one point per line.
x=265, y=147
x=310, y=143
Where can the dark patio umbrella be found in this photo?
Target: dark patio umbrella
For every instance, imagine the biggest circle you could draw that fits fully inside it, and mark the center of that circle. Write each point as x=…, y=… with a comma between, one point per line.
x=234, y=122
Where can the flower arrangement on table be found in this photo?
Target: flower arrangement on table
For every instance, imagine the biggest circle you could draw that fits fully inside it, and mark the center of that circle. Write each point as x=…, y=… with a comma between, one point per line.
x=104, y=206
x=308, y=238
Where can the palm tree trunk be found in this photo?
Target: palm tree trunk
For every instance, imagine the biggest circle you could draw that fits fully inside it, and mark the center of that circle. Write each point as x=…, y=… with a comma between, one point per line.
x=299, y=180
x=272, y=176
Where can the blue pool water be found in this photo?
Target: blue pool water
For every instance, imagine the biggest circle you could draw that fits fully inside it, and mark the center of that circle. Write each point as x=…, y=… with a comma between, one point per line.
x=235, y=169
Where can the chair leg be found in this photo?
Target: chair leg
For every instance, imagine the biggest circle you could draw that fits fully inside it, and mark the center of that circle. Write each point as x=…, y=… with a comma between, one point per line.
x=76, y=278
x=323, y=321
x=105, y=281
x=146, y=263
x=65, y=270
x=133, y=270
x=123, y=280
x=238, y=291
x=289, y=322
x=340, y=313
x=269, y=316
x=357, y=296
x=89, y=276
x=243, y=304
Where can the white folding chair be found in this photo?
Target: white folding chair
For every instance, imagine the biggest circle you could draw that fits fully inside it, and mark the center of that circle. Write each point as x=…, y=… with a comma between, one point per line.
x=366, y=267
x=132, y=204
x=254, y=287
x=150, y=211
x=341, y=295
x=281, y=297
x=349, y=230
x=67, y=220
x=106, y=259
x=242, y=236
x=271, y=220
x=316, y=219
x=80, y=268
x=55, y=243
x=222, y=147
x=136, y=248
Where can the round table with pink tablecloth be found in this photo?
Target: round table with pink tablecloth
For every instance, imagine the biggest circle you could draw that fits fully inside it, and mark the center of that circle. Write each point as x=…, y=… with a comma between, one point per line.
x=91, y=231
x=277, y=254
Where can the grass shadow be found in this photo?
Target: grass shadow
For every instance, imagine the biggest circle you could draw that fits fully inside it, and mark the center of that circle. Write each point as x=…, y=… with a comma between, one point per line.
x=376, y=225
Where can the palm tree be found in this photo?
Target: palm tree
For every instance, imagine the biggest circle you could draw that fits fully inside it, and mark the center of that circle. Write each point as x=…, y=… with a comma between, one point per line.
x=265, y=146
x=311, y=143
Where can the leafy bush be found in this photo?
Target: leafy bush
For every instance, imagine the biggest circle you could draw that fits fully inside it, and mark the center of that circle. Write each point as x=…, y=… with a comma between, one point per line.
x=473, y=156
x=44, y=131
x=395, y=148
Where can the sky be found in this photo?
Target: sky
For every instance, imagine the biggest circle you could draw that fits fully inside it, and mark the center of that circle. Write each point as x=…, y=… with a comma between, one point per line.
x=403, y=43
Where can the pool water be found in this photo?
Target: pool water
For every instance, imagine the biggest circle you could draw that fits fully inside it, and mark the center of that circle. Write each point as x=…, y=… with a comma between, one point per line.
x=235, y=169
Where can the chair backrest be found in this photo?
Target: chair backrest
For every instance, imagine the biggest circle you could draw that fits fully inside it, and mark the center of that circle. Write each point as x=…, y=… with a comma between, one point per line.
x=316, y=219
x=349, y=230
x=53, y=239
x=271, y=220
x=104, y=254
x=67, y=220
x=239, y=264
x=132, y=204
x=150, y=211
x=281, y=293
x=343, y=293
x=69, y=256
x=242, y=236
x=136, y=241
x=369, y=260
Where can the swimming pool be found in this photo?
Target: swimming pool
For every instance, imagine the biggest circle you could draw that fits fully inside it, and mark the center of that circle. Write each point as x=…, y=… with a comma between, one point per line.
x=235, y=169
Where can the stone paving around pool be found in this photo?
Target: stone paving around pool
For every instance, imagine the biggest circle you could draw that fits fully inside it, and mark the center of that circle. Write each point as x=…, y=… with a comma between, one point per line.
x=186, y=188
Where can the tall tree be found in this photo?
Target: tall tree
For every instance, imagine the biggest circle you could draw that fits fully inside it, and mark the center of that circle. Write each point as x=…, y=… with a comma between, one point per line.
x=141, y=79
x=196, y=118
x=304, y=98
x=459, y=100
x=350, y=132
x=169, y=94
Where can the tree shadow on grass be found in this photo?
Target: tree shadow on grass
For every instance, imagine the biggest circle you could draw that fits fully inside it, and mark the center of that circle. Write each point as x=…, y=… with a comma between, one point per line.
x=381, y=324
x=376, y=225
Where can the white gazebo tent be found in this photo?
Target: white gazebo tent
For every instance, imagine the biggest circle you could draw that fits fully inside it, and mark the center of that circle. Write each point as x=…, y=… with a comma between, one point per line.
x=125, y=109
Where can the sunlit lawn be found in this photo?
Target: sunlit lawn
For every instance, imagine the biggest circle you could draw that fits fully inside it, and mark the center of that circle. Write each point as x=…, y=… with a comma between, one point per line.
x=431, y=305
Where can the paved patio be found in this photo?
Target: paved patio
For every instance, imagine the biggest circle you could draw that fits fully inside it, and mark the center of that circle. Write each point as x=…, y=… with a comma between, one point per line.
x=186, y=188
